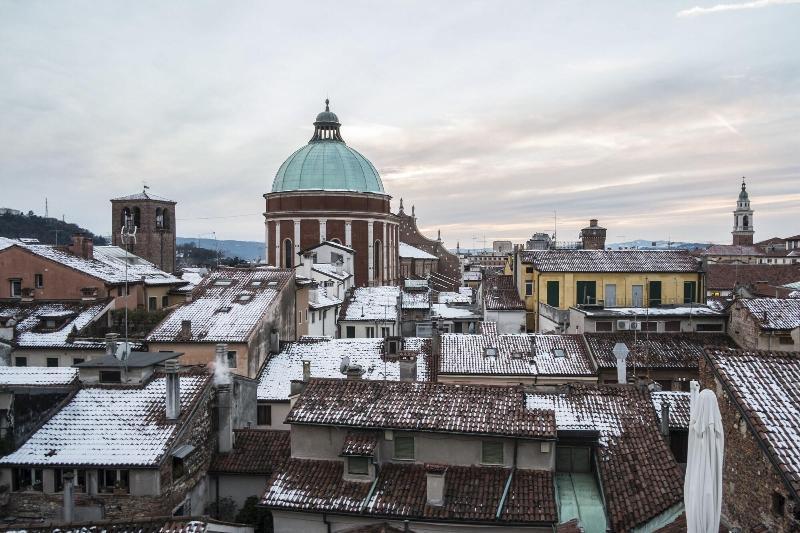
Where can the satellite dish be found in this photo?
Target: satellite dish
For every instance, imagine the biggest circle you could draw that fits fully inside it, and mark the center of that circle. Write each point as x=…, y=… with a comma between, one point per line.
x=123, y=351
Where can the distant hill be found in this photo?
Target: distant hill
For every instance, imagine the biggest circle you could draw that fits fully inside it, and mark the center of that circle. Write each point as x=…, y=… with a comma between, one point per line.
x=47, y=230
x=642, y=244
x=248, y=250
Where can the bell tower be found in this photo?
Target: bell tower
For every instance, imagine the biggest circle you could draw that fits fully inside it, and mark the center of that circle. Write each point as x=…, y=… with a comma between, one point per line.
x=154, y=220
x=743, y=219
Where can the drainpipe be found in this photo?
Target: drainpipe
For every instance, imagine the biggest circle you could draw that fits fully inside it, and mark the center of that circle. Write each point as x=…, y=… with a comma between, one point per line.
x=508, y=484
x=325, y=521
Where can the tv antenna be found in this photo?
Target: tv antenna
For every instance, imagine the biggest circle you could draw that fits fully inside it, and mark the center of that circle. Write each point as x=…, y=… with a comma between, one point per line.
x=127, y=235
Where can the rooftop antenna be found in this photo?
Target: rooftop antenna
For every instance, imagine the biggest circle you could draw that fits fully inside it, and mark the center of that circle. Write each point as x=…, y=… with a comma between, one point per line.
x=46, y=210
x=555, y=225
x=127, y=235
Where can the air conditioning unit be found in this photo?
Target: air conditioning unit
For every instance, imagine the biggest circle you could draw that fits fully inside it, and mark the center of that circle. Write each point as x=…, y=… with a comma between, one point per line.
x=623, y=325
x=636, y=325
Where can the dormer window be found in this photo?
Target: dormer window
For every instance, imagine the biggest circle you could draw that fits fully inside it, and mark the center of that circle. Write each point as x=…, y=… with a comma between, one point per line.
x=490, y=351
x=358, y=466
x=559, y=353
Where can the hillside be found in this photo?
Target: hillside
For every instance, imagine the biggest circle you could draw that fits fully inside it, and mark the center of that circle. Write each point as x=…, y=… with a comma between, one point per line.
x=47, y=230
x=247, y=250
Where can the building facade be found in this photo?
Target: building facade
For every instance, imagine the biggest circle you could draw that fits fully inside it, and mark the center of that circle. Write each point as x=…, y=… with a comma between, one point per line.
x=327, y=191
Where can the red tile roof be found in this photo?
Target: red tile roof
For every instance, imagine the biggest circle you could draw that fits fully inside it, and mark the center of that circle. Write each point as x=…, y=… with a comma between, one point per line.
x=726, y=276
x=654, y=350
x=638, y=472
x=774, y=313
x=611, y=260
x=732, y=249
x=500, y=294
x=472, y=493
x=435, y=407
x=256, y=451
x=361, y=443
x=763, y=386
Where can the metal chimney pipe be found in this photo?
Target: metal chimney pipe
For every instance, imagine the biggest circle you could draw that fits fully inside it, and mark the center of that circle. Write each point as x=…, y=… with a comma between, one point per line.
x=665, y=418
x=173, y=389
x=69, y=497
x=111, y=343
x=306, y=370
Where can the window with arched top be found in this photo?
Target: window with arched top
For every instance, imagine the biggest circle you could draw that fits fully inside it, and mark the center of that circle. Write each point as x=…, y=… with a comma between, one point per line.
x=165, y=214
x=746, y=221
x=337, y=241
x=126, y=214
x=377, y=261
x=288, y=254
x=137, y=217
x=159, y=218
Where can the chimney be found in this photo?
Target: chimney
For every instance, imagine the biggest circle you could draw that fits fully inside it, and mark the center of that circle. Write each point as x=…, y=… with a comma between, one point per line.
x=305, y=265
x=274, y=341
x=313, y=293
x=593, y=223
x=69, y=497
x=408, y=368
x=222, y=373
x=306, y=370
x=665, y=418
x=81, y=246
x=355, y=372
x=621, y=353
x=173, y=389
x=224, y=414
x=349, y=268
x=435, y=484
x=436, y=340
x=296, y=386
x=111, y=343
x=186, y=329
x=339, y=267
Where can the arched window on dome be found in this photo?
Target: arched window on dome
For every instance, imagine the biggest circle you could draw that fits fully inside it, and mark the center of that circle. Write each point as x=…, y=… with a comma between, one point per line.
x=288, y=254
x=377, y=263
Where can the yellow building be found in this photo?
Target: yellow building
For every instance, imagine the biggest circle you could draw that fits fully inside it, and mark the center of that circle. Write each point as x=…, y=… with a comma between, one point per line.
x=552, y=281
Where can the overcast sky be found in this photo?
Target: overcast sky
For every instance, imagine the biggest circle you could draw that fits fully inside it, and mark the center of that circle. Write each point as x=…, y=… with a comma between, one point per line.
x=488, y=116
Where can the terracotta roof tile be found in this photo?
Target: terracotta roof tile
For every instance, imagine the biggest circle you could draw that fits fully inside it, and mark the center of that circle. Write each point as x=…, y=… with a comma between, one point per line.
x=500, y=294
x=475, y=409
x=723, y=276
x=611, y=260
x=361, y=443
x=654, y=350
x=678, y=407
x=764, y=385
x=774, y=313
x=256, y=451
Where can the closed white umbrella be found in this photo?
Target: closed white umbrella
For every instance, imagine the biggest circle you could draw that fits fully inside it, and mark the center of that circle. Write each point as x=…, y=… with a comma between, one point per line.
x=702, y=488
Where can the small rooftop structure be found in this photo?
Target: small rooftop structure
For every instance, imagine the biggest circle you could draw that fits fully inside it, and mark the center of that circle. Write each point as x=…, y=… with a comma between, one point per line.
x=255, y=451
x=777, y=314
x=500, y=294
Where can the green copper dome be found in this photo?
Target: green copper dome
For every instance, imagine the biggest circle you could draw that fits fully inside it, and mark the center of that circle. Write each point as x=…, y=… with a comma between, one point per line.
x=326, y=163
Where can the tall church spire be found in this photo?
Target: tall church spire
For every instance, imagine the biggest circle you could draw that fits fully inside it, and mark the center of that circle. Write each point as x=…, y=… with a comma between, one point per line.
x=743, y=219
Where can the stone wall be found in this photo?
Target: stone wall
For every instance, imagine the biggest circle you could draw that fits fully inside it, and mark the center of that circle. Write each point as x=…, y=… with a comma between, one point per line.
x=751, y=487
x=154, y=244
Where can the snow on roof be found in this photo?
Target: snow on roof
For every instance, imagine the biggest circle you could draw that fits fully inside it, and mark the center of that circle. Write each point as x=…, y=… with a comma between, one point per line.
x=330, y=270
x=471, y=276
x=226, y=307
x=416, y=300
x=447, y=312
x=447, y=297
x=326, y=355
x=638, y=473
x=107, y=264
x=408, y=251
x=774, y=313
x=764, y=387
x=500, y=294
x=114, y=426
x=678, y=407
x=323, y=300
x=611, y=260
x=32, y=318
x=192, y=276
x=642, y=312
x=371, y=303
x=557, y=355
x=144, y=195
x=24, y=376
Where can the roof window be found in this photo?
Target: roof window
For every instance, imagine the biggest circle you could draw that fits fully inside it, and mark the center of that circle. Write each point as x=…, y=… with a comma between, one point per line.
x=244, y=297
x=490, y=351
x=559, y=353
x=223, y=282
x=256, y=283
x=225, y=309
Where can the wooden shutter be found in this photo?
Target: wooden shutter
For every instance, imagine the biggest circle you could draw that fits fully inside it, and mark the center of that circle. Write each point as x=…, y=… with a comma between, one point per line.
x=552, y=293
x=492, y=453
x=403, y=447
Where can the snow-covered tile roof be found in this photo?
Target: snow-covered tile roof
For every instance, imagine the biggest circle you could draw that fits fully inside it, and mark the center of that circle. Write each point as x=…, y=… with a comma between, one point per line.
x=192, y=276
x=37, y=376
x=416, y=299
x=144, y=195
x=408, y=251
x=451, y=312
x=326, y=356
x=330, y=270
x=678, y=407
x=107, y=264
x=774, y=313
x=654, y=350
x=500, y=294
x=611, y=260
x=638, y=473
x=31, y=330
x=471, y=276
x=764, y=386
x=449, y=297
x=466, y=354
x=322, y=299
x=371, y=303
x=421, y=406
x=226, y=306
x=108, y=426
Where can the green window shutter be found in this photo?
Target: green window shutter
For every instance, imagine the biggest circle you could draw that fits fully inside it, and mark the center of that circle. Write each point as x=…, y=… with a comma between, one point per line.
x=403, y=447
x=655, y=293
x=492, y=453
x=587, y=292
x=552, y=293
x=689, y=291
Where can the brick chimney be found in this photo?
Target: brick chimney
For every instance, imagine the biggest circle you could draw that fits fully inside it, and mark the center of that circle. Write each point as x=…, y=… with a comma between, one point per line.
x=173, y=389
x=434, y=475
x=81, y=246
x=408, y=367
